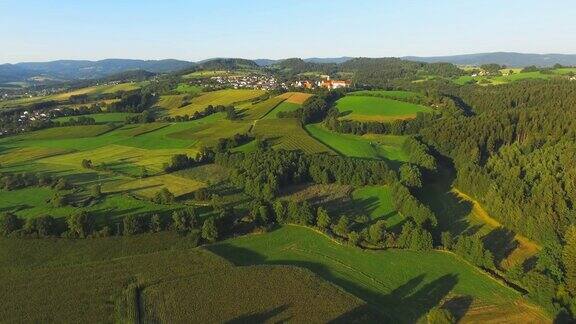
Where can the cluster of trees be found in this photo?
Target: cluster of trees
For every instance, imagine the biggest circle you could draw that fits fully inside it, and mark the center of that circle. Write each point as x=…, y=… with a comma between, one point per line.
x=515, y=155
x=13, y=181
x=134, y=102
x=144, y=117
x=315, y=108
x=264, y=172
x=226, y=144
x=183, y=161
x=406, y=204
x=420, y=154
x=83, y=224
x=396, y=127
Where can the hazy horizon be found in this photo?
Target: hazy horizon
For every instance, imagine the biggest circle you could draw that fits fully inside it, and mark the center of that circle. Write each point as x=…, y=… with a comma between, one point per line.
x=40, y=31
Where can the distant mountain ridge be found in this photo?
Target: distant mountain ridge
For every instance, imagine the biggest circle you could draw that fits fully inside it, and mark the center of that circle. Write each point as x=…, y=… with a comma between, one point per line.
x=83, y=69
x=511, y=59
x=64, y=70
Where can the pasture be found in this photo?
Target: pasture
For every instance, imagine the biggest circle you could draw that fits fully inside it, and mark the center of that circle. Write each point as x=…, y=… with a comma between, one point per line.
x=373, y=147
x=403, y=285
x=369, y=108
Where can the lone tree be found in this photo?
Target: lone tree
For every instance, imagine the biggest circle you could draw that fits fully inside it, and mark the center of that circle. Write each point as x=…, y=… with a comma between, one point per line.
x=323, y=219
x=341, y=228
x=209, y=230
x=80, y=224
x=377, y=232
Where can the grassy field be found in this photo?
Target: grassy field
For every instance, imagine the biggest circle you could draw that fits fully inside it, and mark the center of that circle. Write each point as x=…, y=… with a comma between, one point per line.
x=372, y=147
x=392, y=94
x=69, y=132
x=261, y=109
x=101, y=118
x=185, y=88
x=170, y=102
x=403, y=285
x=376, y=203
x=368, y=108
x=88, y=280
x=288, y=134
x=220, y=97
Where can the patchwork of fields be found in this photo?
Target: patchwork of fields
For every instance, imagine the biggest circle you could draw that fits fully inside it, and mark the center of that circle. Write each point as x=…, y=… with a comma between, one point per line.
x=214, y=98
x=87, y=280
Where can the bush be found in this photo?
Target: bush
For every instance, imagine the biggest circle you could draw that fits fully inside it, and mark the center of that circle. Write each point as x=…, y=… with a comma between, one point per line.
x=164, y=196
x=9, y=223
x=209, y=230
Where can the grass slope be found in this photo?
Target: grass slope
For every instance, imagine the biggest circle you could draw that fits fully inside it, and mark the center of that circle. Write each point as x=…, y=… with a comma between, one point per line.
x=380, y=147
x=403, y=285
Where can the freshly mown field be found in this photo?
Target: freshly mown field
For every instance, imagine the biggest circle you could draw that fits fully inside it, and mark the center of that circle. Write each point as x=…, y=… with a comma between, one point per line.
x=288, y=134
x=402, y=285
x=220, y=97
x=295, y=97
x=371, y=108
x=372, y=147
x=157, y=277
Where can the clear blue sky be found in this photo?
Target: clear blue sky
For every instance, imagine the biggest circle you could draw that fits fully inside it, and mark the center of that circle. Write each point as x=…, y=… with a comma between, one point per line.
x=193, y=30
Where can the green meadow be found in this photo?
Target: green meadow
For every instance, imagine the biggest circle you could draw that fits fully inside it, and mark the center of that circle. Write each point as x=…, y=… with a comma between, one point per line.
x=371, y=108
x=402, y=285
x=384, y=147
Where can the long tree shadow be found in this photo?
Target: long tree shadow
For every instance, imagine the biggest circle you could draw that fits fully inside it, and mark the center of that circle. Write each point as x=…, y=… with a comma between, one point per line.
x=501, y=243
x=262, y=317
x=451, y=211
x=405, y=304
x=458, y=306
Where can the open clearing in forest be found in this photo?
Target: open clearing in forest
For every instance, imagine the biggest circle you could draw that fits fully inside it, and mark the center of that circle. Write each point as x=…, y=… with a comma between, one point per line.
x=404, y=285
x=84, y=280
x=370, y=146
x=517, y=251
x=371, y=108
